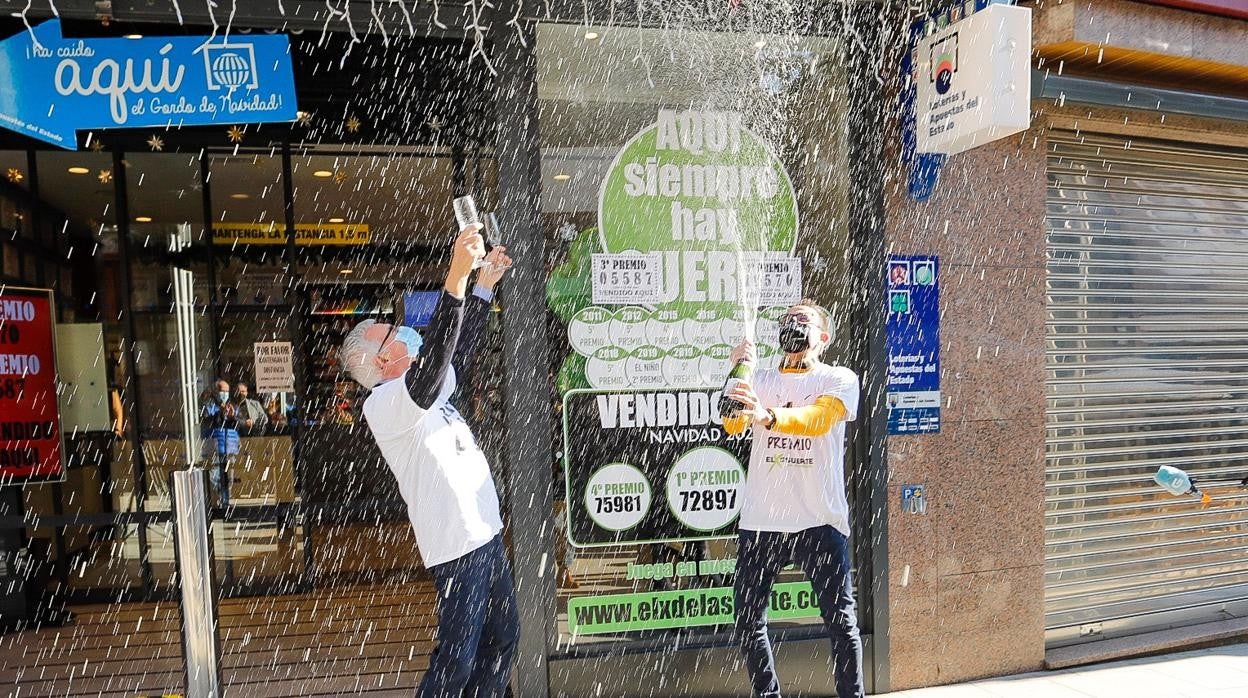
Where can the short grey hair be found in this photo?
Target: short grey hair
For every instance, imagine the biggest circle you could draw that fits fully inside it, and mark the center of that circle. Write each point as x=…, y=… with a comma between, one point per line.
x=357, y=353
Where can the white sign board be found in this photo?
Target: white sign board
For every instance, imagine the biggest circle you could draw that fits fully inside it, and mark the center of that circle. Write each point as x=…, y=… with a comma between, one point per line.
x=973, y=80
x=84, y=382
x=275, y=371
x=777, y=279
x=627, y=278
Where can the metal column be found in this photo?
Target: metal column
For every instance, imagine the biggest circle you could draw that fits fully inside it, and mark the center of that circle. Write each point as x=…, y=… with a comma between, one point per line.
x=529, y=452
x=201, y=642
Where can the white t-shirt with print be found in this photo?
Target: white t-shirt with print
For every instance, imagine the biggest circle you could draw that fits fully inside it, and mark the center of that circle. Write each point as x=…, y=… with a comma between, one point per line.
x=443, y=475
x=798, y=482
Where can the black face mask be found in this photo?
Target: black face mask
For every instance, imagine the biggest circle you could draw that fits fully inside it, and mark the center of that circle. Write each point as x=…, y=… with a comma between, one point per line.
x=795, y=337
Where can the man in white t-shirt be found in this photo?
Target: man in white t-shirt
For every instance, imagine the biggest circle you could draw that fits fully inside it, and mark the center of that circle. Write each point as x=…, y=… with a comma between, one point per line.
x=794, y=509
x=443, y=475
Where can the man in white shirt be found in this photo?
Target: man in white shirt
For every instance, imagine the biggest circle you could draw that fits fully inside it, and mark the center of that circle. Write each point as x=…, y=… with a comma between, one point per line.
x=443, y=475
x=794, y=509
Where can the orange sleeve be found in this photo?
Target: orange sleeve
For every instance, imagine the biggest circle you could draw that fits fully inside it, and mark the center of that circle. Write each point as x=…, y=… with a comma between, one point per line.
x=736, y=424
x=811, y=420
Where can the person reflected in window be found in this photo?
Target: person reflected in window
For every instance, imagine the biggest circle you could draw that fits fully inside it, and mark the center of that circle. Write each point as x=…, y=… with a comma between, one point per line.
x=252, y=419
x=218, y=419
x=278, y=426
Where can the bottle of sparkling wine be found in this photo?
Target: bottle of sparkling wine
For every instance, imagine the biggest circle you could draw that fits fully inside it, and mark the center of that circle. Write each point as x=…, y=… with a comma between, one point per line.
x=740, y=373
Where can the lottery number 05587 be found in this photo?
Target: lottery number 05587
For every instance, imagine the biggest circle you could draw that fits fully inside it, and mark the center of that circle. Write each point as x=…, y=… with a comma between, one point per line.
x=625, y=278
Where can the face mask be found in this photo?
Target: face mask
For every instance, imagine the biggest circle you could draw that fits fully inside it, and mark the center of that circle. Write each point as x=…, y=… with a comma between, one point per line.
x=795, y=337
x=223, y=396
x=411, y=338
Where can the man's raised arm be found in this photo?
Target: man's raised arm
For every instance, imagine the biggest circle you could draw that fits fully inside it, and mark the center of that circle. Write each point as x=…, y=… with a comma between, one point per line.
x=427, y=374
x=477, y=311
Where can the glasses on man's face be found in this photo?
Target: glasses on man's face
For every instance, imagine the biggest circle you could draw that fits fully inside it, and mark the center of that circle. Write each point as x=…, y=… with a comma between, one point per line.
x=799, y=318
x=389, y=333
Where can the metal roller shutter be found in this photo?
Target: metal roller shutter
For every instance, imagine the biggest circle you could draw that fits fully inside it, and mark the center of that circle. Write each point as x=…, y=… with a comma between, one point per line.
x=1147, y=365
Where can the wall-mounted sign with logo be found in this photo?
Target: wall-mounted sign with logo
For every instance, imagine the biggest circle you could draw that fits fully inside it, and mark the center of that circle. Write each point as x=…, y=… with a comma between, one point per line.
x=913, y=339
x=973, y=80
x=58, y=86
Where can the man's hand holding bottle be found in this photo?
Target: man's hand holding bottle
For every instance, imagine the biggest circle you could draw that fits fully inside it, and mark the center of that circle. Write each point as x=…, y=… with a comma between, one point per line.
x=745, y=351
x=739, y=398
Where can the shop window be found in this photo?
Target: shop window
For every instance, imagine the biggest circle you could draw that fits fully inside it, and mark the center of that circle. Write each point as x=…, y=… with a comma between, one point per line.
x=254, y=303
x=15, y=215
x=699, y=146
x=66, y=210
x=169, y=297
x=374, y=228
x=249, y=455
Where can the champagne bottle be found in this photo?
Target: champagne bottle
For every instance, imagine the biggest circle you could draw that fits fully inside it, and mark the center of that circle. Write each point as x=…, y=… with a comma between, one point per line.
x=740, y=373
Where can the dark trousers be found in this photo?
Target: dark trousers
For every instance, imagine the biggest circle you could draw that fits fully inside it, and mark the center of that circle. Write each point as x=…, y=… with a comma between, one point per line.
x=823, y=554
x=477, y=626
x=219, y=475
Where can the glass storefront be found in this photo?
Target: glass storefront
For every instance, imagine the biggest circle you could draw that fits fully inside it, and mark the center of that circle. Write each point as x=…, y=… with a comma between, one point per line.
x=202, y=276
x=294, y=234
x=604, y=93
x=60, y=208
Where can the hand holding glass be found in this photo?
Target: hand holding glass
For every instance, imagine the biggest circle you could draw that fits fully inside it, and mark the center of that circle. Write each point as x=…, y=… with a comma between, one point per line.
x=466, y=216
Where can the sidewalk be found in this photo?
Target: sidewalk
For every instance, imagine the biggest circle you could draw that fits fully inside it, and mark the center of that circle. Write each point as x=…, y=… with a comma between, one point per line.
x=1220, y=672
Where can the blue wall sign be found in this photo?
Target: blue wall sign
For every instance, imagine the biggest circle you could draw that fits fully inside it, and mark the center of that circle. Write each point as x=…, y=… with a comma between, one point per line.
x=912, y=286
x=913, y=500
x=58, y=86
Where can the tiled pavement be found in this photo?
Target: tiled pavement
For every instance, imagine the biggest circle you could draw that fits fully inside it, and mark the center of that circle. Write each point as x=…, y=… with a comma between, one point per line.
x=1220, y=672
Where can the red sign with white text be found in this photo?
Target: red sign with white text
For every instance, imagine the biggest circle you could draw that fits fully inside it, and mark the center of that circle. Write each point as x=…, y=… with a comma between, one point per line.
x=30, y=421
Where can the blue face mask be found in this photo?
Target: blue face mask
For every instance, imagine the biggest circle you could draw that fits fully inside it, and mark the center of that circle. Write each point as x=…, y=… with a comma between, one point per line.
x=411, y=338
x=223, y=396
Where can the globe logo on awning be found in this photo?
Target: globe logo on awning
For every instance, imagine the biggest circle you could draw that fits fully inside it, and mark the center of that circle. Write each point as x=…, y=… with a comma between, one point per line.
x=231, y=70
x=231, y=66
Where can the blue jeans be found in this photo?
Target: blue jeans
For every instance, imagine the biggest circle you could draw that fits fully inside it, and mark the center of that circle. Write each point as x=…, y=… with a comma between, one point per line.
x=823, y=554
x=477, y=626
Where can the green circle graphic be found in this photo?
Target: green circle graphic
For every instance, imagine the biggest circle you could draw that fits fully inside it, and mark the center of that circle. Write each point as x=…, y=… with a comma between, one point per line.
x=643, y=222
x=641, y=514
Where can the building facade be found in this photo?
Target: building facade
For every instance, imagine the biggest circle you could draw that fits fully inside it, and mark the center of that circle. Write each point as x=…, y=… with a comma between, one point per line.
x=1088, y=275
